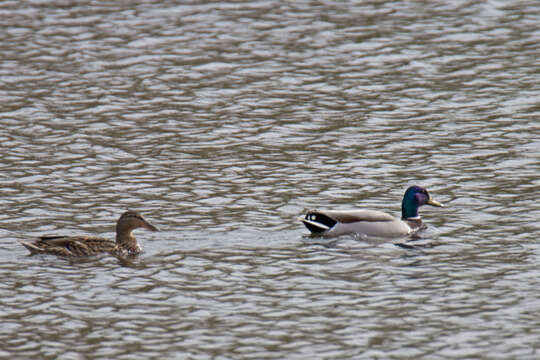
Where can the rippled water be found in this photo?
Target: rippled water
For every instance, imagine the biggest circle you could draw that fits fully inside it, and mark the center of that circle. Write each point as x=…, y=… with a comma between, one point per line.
x=222, y=123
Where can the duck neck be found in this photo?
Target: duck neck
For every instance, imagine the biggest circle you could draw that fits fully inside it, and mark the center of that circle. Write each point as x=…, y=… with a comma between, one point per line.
x=409, y=209
x=415, y=224
x=126, y=241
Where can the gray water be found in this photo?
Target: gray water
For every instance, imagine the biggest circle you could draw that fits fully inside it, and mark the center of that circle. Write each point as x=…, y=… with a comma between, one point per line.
x=222, y=122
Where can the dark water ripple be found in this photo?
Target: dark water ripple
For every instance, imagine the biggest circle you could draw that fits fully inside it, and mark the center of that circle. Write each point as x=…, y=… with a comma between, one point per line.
x=221, y=123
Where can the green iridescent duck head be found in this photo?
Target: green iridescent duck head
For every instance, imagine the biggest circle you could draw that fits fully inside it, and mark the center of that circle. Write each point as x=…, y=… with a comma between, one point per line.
x=414, y=197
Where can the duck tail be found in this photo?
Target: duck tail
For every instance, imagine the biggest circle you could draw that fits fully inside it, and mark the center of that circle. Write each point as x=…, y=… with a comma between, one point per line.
x=31, y=247
x=317, y=223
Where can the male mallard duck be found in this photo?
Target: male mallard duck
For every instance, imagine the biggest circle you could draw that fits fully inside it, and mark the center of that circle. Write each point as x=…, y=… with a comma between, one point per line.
x=371, y=222
x=125, y=244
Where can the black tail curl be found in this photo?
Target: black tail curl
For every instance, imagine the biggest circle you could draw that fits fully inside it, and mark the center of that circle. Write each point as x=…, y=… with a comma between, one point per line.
x=315, y=217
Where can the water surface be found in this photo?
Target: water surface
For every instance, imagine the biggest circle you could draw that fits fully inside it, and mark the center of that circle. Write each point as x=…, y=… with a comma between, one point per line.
x=222, y=123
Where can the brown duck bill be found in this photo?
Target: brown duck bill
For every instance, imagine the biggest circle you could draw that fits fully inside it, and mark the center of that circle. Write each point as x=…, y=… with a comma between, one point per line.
x=149, y=226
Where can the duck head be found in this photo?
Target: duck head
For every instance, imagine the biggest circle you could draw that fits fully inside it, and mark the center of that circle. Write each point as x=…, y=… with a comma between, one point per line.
x=131, y=220
x=416, y=196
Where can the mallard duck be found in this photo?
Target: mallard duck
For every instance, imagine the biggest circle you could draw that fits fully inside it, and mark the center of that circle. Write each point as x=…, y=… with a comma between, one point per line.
x=125, y=244
x=371, y=222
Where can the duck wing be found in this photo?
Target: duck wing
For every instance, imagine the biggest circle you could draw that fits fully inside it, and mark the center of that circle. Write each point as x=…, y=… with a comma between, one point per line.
x=352, y=216
x=70, y=245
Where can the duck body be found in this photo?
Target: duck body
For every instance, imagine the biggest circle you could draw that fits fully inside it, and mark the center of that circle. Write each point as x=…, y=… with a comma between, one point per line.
x=372, y=223
x=71, y=245
x=365, y=222
x=78, y=246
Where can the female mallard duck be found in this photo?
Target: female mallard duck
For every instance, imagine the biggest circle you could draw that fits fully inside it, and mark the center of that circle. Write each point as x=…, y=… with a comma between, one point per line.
x=371, y=222
x=125, y=244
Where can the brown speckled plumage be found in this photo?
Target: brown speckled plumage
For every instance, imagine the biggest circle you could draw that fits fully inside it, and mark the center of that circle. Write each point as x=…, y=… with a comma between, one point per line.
x=125, y=244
